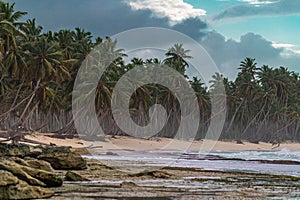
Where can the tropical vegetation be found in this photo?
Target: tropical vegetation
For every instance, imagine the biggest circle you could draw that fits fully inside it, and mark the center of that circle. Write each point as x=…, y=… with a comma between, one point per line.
x=38, y=70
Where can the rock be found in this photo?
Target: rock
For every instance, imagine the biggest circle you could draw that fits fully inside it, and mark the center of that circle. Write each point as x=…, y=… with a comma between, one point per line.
x=72, y=176
x=19, y=150
x=128, y=184
x=19, y=161
x=153, y=174
x=15, y=169
x=24, y=150
x=48, y=178
x=109, y=153
x=64, y=161
x=39, y=164
x=22, y=190
x=35, y=151
x=7, y=179
x=32, y=176
x=34, y=163
x=54, y=149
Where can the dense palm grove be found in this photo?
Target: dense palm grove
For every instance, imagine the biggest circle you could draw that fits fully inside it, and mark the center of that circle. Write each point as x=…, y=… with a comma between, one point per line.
x=38, y=70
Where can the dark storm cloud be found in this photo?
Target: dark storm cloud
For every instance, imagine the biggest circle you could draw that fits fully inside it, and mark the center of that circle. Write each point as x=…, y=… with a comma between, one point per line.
x=101, y=17
x=281, y=7
x=192, y=27
x=227, y=54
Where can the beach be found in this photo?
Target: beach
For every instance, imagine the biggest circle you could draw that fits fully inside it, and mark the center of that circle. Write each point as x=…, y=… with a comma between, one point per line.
x=132, y=168
x=131, y=143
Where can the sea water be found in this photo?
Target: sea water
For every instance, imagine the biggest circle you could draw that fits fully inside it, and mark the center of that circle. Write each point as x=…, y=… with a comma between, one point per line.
x=190, y=160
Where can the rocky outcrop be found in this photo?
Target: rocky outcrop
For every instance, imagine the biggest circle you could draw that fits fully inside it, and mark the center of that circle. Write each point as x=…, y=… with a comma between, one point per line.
x=26, y=171
x=34, y=163
x=60, y=158
x=13, y=188
x=64, y=161
x=16, y=171
x=39, y=164
x=14, y=150
x=31, y=175
x=7, y=179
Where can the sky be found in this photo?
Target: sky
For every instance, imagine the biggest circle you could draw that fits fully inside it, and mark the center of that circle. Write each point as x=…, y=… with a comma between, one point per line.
x=230, y=30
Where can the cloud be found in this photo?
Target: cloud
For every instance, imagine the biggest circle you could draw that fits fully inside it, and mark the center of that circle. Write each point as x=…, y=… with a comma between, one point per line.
x=273, y=8
x=258, y=2
x=288, y=49
x=228, y=54
x=106, y=18
x=175, y=10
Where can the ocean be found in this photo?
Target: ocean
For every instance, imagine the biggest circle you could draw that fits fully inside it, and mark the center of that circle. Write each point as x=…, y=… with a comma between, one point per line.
x=285, y=162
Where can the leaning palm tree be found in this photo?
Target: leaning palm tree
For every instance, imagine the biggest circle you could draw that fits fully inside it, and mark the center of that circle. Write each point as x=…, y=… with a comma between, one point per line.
x=45, y=64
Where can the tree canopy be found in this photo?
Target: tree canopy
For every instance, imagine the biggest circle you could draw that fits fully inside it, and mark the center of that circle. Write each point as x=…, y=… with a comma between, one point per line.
x=38, y=70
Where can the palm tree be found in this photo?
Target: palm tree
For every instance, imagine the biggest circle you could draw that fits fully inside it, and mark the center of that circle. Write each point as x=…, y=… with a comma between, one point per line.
x=176, y=56
x=65, y=38
x=9, y=26
x=45, y=64
x=31, y=30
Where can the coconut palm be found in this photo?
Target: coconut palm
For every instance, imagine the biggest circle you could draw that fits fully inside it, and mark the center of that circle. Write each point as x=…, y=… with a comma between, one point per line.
x=176, y=56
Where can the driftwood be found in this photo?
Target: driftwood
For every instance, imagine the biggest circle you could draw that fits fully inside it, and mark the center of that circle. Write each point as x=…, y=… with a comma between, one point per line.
x=18, y=135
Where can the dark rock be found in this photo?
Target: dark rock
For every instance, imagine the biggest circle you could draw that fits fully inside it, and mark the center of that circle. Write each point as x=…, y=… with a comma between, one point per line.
x=48, y=178
x=109, y=153
x=72, y=176
x=254, y=141
x=64, y=160
x=52, y=149
x=19, y=150
x=279, y=162
x=153, y=174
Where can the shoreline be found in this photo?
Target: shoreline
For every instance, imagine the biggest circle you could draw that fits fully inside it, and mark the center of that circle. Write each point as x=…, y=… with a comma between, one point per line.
x=128, y=178
x=167, y=144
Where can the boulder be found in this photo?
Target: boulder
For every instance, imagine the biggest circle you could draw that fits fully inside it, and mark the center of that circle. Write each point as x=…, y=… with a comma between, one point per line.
x=72, y=176
x=64, y=161
x=39, y=164
x=32, y=176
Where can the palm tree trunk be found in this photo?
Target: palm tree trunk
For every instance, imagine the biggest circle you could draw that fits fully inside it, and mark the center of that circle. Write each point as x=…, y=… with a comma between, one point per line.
x=29, y=102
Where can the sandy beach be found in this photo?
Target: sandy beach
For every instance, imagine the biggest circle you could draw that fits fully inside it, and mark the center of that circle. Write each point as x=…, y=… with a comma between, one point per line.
x=136, y=144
